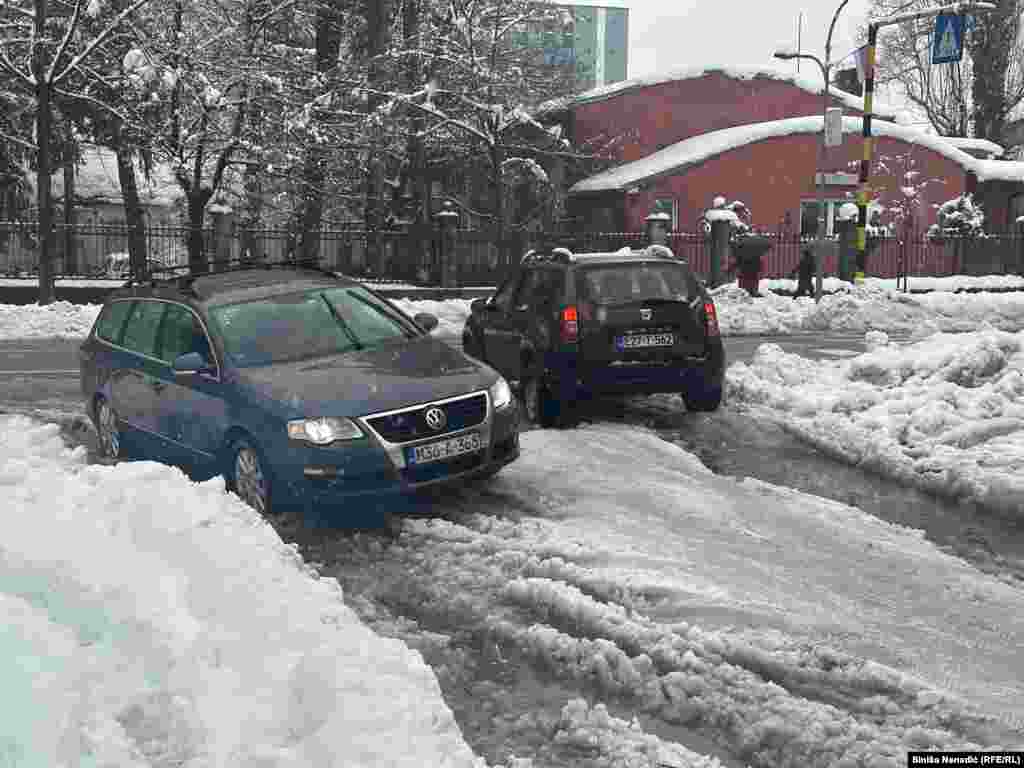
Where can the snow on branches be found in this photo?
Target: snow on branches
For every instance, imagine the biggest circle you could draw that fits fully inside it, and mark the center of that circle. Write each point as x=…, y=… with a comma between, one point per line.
x=959, y=217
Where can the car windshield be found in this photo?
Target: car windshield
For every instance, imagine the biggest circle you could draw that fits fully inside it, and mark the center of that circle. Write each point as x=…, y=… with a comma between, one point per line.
x=309, y=324
x=621, y=283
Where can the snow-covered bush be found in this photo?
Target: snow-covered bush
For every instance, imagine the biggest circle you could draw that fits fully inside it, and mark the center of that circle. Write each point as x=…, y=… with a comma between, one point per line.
x=959, y=217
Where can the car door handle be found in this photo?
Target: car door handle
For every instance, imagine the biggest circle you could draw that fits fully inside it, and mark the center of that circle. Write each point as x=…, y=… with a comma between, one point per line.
x=159, y=386
x=523, y=308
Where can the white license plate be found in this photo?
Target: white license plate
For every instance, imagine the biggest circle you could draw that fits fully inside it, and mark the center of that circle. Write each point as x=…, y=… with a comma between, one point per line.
x=444, y=449
x=645, y=340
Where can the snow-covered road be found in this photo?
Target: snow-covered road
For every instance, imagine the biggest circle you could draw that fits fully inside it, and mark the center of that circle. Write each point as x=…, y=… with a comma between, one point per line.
x=605, y=601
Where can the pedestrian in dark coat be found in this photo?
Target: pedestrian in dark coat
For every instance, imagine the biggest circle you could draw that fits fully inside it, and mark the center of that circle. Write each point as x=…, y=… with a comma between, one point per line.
x=805, y=273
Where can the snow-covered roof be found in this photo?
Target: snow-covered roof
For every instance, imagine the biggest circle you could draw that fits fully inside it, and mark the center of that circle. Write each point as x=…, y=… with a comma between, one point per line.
x=700, y=148
x=981, y=145
x=807, y=83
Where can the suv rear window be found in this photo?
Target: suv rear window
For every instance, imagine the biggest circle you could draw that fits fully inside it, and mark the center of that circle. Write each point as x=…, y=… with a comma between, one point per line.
x=620, y=283
x=111, y=319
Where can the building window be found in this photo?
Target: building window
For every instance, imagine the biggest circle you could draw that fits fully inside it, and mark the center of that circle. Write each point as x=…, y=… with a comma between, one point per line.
x=809, y=217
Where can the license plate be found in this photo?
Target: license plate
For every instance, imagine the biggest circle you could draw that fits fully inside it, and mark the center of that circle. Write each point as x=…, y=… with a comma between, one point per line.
x=444, y=449
x=645, y=340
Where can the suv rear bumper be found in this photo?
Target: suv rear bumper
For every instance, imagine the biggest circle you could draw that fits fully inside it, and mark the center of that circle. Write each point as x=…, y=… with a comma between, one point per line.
x=644, y=378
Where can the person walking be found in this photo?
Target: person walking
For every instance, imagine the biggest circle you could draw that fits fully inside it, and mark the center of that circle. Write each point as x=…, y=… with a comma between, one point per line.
x=805, y=275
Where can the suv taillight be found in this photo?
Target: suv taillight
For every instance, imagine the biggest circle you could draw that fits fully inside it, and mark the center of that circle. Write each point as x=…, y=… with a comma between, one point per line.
x=710, y=319
x=570, y=325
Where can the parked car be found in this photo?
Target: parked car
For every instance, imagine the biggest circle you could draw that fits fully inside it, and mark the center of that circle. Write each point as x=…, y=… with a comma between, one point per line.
x=570, y=326
x=295, y=384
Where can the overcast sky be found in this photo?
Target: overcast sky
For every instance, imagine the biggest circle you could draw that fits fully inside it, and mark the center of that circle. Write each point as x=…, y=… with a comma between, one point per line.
x=666, y=34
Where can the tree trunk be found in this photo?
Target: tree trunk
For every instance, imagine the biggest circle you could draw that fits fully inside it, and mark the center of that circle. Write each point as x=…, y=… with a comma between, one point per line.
x=197, y=200
x=498, y=199
x=133, y=213
x=44, y=192
x=990, y=47
x=70, y=257
x=378, y=19
x=328, y=45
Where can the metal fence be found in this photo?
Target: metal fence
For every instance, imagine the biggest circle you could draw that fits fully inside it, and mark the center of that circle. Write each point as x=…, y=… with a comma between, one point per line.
x=417, y=255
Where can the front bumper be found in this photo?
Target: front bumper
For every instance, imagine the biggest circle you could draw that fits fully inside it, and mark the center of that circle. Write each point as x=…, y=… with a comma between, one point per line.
x=372, y=468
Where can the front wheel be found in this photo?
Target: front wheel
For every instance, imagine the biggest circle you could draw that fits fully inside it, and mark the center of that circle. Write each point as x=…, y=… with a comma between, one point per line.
x=111, y=444
x=248, y=476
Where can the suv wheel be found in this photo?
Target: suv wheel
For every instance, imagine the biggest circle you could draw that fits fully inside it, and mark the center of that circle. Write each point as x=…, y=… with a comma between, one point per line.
x=703, y=399
x=111, y=445
x=249, y=477
x=541, y=407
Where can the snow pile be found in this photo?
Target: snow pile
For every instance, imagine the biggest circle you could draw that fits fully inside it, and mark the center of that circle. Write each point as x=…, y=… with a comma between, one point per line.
x=871, y=306
x=61, y=319
x=149, y=620
x=946, y=413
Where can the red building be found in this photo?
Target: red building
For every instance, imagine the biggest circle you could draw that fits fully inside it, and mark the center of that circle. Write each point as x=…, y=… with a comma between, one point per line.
x=680, y=140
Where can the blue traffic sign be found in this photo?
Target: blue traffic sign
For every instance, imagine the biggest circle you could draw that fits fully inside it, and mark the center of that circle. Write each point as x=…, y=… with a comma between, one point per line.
x=948, y=39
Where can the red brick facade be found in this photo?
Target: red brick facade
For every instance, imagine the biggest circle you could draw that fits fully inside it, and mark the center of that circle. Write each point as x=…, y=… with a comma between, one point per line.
x=772, y=176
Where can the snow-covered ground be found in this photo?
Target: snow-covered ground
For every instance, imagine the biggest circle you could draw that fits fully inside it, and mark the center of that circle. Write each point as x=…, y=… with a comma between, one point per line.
x=149, y=620
x=945, y=413
x=873, y=306
x=153, y=621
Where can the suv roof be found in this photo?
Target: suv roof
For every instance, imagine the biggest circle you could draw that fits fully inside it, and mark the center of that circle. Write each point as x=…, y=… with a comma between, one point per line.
x=559, y=255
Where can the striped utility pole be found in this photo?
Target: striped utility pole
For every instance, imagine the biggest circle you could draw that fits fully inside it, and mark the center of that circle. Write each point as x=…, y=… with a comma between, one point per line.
x=865, y=163
x=869, y=90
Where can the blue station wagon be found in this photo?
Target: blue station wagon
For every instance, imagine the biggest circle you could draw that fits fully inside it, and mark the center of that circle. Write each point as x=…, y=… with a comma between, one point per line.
x=296, y=385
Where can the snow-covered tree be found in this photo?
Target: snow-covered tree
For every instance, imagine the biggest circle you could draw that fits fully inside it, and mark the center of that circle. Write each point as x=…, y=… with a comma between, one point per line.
x=472, y=106
x=900, y=182
x=46, y=54
x=959, y=217
x=972, y=98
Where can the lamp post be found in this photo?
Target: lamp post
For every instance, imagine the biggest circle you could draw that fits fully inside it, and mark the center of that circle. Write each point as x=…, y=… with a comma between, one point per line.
x=869, y=90
x=825, y=67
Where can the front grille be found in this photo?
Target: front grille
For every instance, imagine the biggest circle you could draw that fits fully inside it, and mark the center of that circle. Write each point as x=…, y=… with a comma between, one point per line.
x=437, y=470
x=411, y=424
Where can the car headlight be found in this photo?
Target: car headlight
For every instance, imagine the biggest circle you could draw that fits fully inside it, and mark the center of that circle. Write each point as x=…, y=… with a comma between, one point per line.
x=501, y=393
x=323, y=431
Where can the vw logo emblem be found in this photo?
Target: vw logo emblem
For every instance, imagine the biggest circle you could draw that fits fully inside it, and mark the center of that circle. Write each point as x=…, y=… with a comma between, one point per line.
x=435, y=419
x=645, y=314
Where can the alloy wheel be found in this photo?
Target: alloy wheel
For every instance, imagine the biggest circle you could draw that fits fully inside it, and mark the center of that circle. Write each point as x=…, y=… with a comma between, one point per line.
x=109, y=435
x=250, y=480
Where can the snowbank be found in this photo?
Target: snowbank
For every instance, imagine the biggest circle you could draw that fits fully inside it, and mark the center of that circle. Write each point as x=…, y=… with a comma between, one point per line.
x=149, y=620
x=945, y=413
x=876, y=305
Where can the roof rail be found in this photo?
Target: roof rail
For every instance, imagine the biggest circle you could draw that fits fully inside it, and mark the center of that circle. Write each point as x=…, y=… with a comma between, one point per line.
x=184, y=275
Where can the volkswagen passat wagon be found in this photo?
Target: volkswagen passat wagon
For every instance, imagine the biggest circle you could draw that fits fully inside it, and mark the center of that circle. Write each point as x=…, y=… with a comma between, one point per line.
x=296, y=385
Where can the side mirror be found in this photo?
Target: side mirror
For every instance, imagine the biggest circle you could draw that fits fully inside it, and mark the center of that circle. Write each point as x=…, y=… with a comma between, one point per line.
x=190, y=364
x=426, y=321
x=477, y=305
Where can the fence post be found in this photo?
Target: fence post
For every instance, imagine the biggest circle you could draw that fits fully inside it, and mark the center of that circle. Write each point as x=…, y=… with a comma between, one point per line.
x=847, y=246
x=448, y=220
x=719, y=249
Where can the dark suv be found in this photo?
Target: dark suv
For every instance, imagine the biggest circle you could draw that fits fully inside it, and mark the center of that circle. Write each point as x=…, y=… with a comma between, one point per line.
x=569, y=326
x=294, y=384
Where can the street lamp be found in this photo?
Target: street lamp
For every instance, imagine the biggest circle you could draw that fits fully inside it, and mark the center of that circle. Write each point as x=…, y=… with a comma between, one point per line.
x=869, y=90
x=825, y=67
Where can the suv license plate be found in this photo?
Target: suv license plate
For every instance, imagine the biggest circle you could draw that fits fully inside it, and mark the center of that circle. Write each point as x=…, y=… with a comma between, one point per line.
x=444, y=449
x=645, y=340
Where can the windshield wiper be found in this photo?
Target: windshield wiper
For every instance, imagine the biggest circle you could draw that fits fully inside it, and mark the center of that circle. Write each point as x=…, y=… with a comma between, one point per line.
x=382, y=311
x=344, y=326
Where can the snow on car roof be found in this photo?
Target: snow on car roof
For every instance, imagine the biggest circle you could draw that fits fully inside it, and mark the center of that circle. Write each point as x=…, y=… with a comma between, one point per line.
x=697, y=149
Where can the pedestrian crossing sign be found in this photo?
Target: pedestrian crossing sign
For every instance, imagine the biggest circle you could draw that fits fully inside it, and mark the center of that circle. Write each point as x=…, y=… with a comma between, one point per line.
x=948, y=39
